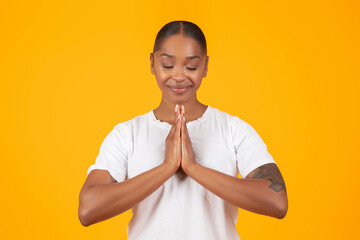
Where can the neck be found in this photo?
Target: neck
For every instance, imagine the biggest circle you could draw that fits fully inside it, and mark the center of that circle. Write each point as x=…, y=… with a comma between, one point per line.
x=193, y=110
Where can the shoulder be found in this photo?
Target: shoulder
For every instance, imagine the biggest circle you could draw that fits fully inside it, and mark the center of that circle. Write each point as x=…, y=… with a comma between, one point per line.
x=127, y=127
x=234, y=122
x=238, y=128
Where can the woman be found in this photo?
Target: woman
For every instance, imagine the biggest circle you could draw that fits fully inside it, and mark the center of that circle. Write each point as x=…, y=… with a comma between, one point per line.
x=176, y=166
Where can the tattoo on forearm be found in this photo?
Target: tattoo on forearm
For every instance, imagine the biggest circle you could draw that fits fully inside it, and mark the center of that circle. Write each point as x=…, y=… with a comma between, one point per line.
x=271, y=172
x=112, y=180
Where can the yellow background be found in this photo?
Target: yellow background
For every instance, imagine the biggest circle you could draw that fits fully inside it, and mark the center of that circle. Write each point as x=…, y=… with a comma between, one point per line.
x=72, y=70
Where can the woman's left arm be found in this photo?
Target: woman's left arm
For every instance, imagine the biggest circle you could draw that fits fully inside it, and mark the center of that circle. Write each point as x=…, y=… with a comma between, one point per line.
x=262, y=191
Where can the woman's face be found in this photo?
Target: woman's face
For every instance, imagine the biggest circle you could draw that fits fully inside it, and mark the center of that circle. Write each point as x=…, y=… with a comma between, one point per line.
x=179, y=67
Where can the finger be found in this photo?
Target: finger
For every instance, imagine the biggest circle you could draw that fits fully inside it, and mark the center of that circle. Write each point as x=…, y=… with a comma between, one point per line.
x=185, y=129
x=183, y=111
x=181, y=116
x=178, y=123
x=182, y=128
x=173, y=127
x=175, y=114
x=182, y=136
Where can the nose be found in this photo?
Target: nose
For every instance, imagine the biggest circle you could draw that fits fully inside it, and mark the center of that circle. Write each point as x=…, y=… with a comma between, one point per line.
x=178, y=74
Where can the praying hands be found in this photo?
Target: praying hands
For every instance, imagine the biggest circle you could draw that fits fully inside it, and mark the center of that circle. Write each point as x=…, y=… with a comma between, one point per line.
x=178, y=148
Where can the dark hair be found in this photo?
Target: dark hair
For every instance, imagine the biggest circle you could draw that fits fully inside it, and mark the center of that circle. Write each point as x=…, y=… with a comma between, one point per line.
x=185, y=28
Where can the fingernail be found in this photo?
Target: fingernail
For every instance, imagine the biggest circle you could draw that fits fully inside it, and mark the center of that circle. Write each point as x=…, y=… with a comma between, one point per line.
x=184, y=118
x=176, y=107
x=178, y=116
x=183, y=108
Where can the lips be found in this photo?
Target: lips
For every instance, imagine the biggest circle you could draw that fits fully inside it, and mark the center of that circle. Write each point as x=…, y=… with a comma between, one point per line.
x=179, y=88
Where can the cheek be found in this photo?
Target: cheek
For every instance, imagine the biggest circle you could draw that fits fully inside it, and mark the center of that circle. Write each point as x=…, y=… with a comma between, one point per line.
x=197, y=77
x=162, y=75
x=161, y=79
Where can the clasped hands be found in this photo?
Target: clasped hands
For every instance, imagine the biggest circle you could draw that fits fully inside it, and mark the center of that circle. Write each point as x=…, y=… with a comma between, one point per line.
x=178, y=148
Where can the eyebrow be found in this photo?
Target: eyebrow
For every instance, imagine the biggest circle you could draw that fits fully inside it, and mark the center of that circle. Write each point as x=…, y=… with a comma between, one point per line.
x=171, y=56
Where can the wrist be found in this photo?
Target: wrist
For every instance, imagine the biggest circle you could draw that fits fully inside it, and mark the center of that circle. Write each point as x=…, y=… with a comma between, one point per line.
x=189, y=169
x=170, y=167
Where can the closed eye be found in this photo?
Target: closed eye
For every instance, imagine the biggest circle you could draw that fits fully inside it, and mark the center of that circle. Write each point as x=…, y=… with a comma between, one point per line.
x=192, y=69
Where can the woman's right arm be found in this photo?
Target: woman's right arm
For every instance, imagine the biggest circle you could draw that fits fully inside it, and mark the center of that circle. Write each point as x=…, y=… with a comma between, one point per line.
x=100, y=199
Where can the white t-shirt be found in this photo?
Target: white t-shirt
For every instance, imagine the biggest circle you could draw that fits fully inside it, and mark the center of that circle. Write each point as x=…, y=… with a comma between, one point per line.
x=181, y=208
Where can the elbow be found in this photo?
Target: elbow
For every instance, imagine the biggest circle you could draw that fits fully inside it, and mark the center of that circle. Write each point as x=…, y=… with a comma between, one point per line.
x=281, y=214
x=83, y=217
x=281, y=208
x=84, y=210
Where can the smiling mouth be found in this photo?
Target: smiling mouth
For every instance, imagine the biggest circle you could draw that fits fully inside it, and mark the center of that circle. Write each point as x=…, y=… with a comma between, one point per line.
x=179, y=89
x=179, y=86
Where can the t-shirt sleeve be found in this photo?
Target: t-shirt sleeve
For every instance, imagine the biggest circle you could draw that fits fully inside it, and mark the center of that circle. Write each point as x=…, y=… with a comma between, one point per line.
x=250, y=150
x=113, y=154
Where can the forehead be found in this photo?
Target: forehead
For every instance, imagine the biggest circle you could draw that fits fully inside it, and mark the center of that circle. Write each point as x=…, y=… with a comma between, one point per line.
x=180, y=46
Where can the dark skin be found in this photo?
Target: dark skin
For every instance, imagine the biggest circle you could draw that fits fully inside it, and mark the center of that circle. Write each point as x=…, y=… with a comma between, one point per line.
x=175, y=68
x=183, y=65
x=263, y=190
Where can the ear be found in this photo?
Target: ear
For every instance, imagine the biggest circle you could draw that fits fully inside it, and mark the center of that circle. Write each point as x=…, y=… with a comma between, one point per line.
x=206, y=66
x=152, y=63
